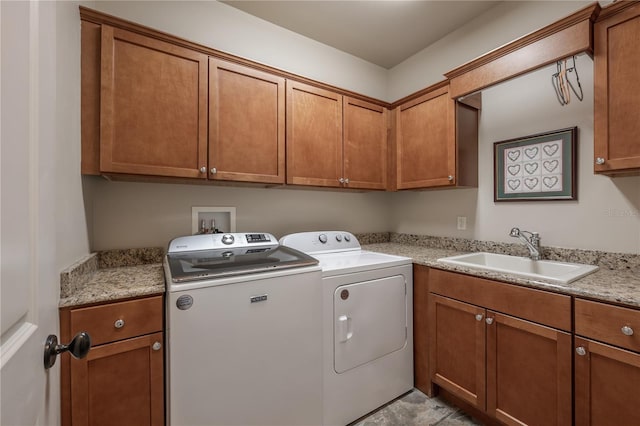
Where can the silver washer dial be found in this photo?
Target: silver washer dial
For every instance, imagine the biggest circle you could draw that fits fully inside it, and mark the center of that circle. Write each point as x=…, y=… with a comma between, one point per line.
x=338, y=237
x=322, y=238
x=227, y=239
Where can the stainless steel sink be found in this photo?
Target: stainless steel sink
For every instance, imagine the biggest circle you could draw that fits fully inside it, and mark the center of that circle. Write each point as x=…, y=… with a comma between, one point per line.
x=547, y=270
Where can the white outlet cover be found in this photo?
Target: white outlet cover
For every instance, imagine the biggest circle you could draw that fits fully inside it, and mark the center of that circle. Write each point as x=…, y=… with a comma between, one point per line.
x=462, y=223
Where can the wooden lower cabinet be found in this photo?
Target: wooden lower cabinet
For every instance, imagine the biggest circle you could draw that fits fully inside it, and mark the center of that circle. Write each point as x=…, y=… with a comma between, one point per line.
x=121, y=380
x=515, y=371
x=606, y=385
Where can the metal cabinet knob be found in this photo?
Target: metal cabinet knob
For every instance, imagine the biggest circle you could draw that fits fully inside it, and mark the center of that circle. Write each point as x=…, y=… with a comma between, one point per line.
x=341, y=180
x=599, y=160
x=346, y=181
x=450, y=178
x=156, y=346
x=479, y=317
x=581, y=351
x=489, y=321
x=119, y=323
x=214, y=170
x=627, y=331
x=203, y=169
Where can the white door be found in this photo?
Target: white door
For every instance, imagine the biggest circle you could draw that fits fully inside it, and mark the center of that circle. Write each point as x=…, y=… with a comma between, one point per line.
x=29, y=283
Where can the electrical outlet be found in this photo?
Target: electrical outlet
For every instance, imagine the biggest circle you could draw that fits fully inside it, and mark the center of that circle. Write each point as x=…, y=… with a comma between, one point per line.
x=462, y=223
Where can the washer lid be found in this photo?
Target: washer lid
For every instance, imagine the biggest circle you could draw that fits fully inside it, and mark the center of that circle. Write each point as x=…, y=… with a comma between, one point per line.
x=207, y=264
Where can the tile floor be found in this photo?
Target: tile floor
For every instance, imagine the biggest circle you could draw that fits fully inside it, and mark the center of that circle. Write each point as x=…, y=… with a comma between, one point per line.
x=417, y=409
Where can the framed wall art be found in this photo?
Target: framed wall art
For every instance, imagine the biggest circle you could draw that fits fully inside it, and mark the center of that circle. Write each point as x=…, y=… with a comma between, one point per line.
x=536, y=167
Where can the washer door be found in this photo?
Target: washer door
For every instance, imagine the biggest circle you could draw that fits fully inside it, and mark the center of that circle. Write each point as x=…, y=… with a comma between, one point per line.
x=370, y=321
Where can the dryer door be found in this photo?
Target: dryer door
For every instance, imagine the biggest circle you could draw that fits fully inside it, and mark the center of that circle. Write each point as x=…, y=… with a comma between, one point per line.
x=370, y=321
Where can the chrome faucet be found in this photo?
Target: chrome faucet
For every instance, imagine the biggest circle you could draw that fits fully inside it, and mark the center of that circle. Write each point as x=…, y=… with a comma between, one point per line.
x=532, y=243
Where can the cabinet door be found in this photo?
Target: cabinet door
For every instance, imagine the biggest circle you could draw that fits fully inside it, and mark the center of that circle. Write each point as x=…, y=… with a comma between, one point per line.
x=616, y=64
x=246, y=124
x=426, y=141
x=119, y=383
x=457, y=348
x=606, y=385
x=153, y=107
x=528, y=372
x=365, y=145
x=314, y=136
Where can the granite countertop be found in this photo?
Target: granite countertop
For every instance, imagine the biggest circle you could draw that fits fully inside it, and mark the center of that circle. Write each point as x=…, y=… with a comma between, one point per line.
x=111, y=276
x=619, y=285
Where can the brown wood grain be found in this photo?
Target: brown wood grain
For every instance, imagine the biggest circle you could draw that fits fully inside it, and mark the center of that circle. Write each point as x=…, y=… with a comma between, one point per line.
x=616, y=64
x=140, y=316
x=457, y=349
x=551, y=309
x=529, y=374
x=90, y=98
x=425, y=141
x=314, y=136
x=604, y=322
x=365, y=144
x=606, y=385
x=246, y=124
x=153, y=107
x=119, y=383
x=422, y=378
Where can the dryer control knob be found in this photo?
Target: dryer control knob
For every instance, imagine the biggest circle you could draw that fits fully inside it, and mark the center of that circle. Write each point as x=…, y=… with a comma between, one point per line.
x=227, y=239
x=347, y=238
x=338, y=237
x=322, y=238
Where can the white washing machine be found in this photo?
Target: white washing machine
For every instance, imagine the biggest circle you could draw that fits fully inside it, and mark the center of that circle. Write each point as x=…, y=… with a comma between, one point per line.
x=244, y=325
x=367, y=303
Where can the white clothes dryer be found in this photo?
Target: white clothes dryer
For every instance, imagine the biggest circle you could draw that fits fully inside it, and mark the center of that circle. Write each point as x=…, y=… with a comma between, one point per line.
x=367, y=304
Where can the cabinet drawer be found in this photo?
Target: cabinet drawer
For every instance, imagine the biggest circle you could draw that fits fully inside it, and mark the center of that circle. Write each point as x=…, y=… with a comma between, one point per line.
x=551, y=309
x=603, y=322
x=117, y=321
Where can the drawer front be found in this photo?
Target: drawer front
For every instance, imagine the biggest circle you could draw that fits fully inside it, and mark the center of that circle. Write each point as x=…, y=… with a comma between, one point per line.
x=608, y=323
x=117, y=321
x=551, y=309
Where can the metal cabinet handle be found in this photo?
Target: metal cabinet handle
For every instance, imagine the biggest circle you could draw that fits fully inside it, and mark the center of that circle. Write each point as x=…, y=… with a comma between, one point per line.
x=78, y=348
x=203, y=169
x=479, y=317
x=346, y=181
x=341, y=180
x=450, y=178
x=214, y=170
x=489, y=321
x=600, y=160
x=156, y=346
x=119, y=323
x=627, y=331
x=581, y=351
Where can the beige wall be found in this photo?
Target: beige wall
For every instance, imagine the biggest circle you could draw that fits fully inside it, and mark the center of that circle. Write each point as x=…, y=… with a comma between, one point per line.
x=604, y=217
x=144, y=214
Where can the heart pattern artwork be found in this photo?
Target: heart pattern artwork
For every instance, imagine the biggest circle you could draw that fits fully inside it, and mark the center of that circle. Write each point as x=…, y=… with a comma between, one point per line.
x=533, y=168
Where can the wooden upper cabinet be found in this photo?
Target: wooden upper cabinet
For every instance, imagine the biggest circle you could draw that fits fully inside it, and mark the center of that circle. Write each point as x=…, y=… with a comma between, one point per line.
x=314, y=136
x=365, y=144
x=246, y=124
x=426, y=141
x=616, y=64
x=153, y=107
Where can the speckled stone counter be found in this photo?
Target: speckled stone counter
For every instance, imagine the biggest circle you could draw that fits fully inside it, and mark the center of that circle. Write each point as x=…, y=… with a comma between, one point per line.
x=112, y=275
x=617, y=280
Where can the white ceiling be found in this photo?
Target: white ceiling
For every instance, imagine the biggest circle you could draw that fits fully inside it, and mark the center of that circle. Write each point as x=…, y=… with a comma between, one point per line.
x=381, y=32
